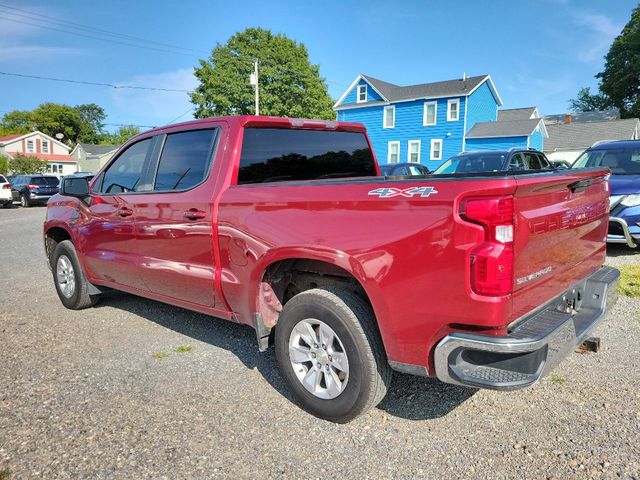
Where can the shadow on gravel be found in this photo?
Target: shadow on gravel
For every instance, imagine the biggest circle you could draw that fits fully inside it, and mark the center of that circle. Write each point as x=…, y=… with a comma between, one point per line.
x=409, y=397
x=620, y=250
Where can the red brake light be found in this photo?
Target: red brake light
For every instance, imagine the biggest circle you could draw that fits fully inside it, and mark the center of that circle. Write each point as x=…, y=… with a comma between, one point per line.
x=6, y=186
x=492, y=261
x=32, y=187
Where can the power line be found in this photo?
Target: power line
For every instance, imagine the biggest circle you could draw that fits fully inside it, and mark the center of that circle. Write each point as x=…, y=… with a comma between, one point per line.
x=101, y=84
x=180, y=116
x=164, y=50
x=66, y=23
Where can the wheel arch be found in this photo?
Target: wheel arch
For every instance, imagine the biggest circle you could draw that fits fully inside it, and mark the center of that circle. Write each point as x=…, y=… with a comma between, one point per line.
x=272, y=280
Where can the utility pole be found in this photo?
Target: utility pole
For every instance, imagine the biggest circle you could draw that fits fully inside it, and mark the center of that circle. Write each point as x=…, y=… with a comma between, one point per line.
x=253, y=80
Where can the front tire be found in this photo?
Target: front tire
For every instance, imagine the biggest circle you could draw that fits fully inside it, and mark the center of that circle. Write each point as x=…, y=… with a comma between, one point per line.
x=331, y=355
x=70, y=281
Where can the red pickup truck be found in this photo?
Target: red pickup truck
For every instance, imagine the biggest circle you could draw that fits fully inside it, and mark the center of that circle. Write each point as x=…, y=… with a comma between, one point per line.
x=484, y=280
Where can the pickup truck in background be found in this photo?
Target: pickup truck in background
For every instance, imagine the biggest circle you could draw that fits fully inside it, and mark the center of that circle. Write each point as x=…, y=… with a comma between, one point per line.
x=484, y=280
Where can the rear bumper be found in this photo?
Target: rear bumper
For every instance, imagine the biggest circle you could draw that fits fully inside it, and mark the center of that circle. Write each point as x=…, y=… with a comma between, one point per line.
x=534, y=345
x=619, y=232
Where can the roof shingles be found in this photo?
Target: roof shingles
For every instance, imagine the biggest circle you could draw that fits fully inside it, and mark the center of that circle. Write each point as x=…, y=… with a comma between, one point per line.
x=578, y=136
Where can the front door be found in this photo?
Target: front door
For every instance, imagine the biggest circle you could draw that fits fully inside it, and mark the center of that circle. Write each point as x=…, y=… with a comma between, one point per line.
x=174, y=221
x=109, y=236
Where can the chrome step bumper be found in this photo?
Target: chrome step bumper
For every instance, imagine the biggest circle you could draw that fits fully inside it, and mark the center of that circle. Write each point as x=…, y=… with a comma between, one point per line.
x=625, y=237
x=535, y=344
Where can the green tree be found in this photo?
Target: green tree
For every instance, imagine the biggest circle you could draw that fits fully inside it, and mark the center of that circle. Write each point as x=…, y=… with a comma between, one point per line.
x=92, y=125
x=588, y=102
x=290, y=86
x=120, y=136
x=23, y=164
x=4, y=165
x=620, y=79
x=82, y=123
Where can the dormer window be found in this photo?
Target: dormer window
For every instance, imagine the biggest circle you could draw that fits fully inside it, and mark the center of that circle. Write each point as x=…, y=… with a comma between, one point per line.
x=362, y=93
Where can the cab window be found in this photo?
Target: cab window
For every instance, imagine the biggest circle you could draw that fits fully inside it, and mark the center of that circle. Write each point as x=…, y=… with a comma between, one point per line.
x=185, y=160
x=125, y=173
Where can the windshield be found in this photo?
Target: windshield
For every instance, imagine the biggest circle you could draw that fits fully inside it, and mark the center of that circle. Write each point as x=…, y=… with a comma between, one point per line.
x=49, y=181
x=621, y=161
x=473, y=163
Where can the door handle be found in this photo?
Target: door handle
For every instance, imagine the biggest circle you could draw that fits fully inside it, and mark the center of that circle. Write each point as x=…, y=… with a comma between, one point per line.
x=125, y=212
x=194, y=214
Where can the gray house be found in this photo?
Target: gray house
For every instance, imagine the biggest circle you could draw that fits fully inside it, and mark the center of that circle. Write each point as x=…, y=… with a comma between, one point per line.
x=91, y=157
x=569, y=138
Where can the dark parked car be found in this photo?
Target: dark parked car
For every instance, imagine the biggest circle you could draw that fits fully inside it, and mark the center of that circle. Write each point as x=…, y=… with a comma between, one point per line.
x=623, y=158
x=403, y=169
x=34, y=189
x=514, y=159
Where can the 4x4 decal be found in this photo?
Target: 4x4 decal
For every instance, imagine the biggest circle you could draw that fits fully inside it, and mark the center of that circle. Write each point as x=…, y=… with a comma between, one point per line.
x=405, y=192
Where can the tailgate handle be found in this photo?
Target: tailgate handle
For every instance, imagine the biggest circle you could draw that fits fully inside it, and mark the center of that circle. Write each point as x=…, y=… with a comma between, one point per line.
x=580, y=185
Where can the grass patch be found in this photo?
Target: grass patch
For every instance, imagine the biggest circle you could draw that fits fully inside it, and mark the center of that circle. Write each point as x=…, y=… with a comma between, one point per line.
x=4, y=474
x=183, y=348
x=557, y=379
x=158, y=355
x=629, y=280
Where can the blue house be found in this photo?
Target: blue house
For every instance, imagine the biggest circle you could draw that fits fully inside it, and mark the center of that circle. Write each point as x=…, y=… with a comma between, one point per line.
x=431, y=122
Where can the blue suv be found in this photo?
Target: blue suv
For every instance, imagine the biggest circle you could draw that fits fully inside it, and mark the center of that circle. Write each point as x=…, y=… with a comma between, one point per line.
x=623, y=158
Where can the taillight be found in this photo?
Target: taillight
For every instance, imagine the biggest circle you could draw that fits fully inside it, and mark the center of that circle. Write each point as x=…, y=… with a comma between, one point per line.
x=32, y=187
x=492, y=261
x=6, y=186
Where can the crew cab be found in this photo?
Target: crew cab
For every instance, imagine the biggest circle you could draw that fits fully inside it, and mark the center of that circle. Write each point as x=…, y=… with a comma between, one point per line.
x=285, y=225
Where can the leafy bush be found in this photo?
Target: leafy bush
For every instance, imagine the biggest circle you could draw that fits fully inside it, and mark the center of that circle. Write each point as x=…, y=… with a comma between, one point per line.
x=23, y=164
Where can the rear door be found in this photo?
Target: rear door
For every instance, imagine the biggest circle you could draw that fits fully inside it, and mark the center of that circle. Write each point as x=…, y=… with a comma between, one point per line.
x=561, y=225
x=174, y=221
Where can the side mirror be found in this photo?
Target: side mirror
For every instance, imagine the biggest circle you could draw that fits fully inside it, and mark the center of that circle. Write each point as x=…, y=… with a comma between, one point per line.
x=75, y=187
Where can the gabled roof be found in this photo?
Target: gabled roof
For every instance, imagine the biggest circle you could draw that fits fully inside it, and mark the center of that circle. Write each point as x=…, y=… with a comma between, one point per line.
x=581, y=117
x=525, y=113
x=394, y=93
x=513, y=128
x=92, y=149
x=16, y=137
x=578, y=136
x=10, y=137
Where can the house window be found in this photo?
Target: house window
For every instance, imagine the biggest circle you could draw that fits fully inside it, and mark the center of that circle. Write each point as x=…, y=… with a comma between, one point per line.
x=414, y=151
x=453, y=110
x=30, y=146
x=45, y=146
x=430, y=113
x=393, y=152
x=436, y=149
x=362, y=93
x=389, y=117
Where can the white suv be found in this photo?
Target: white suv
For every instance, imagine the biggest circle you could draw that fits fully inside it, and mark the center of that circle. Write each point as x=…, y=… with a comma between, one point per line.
x=5, y=193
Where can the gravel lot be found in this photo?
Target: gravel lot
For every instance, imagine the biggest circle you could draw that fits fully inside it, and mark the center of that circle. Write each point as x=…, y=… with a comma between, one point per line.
x=88, y=395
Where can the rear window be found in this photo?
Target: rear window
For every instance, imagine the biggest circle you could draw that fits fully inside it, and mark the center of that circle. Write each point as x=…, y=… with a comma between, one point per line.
x=2, y=179
x=473, y=163
x=48, y=181
x=280, y=155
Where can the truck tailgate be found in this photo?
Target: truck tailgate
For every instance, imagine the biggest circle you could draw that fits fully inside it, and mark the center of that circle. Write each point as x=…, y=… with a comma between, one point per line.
x=560, y=230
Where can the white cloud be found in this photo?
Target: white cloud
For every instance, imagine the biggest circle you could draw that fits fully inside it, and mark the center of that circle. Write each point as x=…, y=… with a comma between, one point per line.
x=601, y=32
x=156, y=107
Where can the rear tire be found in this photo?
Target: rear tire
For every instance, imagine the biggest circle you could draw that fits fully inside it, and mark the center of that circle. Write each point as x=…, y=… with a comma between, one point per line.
x=69, y=279
x=24, y=201
x=338, y=387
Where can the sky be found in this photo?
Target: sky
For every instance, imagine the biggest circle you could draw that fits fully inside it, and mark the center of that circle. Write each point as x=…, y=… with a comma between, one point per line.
x=538, y=53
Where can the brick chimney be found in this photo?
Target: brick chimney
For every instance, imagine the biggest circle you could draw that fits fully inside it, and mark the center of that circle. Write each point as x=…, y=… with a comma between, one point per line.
x=567, y=118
